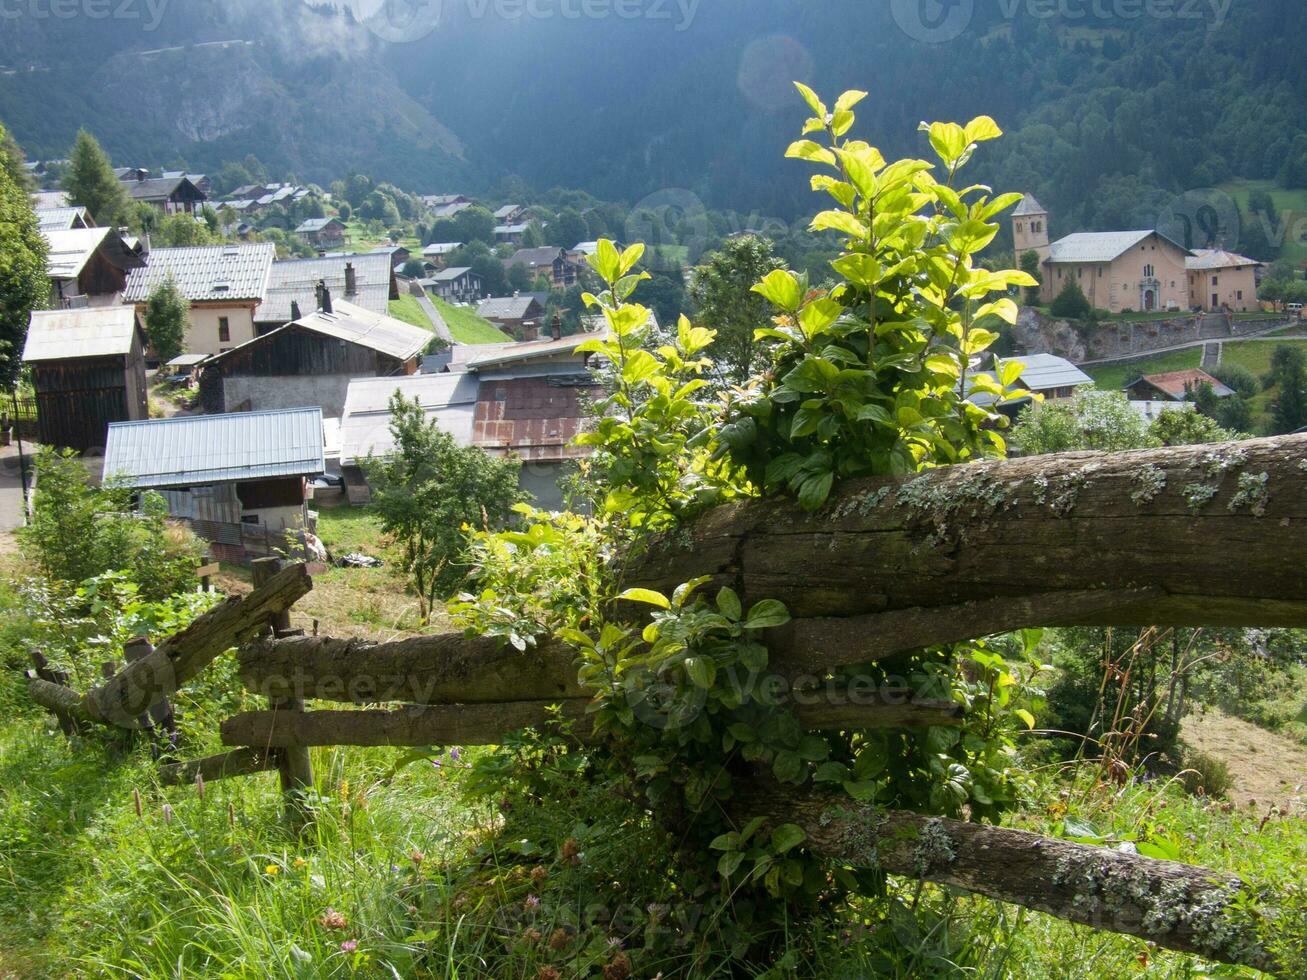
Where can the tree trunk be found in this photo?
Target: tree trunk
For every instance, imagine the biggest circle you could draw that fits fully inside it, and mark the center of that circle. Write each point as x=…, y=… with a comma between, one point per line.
x=1177, y=906
x=239, y=762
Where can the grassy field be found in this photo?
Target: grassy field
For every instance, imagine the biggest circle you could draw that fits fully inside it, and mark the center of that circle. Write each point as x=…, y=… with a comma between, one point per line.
x=468, y=328
x=1255, y=355
x=1114, y=377
x=1289, y=203
x=408, y=309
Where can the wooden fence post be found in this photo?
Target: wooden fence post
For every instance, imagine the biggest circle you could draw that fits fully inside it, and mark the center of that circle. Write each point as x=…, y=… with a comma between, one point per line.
x=160, y=717
x=294, y=764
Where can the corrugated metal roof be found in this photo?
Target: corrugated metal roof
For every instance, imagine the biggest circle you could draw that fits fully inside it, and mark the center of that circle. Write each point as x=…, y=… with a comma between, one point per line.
x=70, y=249
x=1217, y=258
x=449, y=275
x=317, y=224
x=50, y=199
x=297, y=280
x=97, y=331
x=505, y=307
x=1044, y=372
x=157, y=188
x=498, y=354
x=206, y=272
x=442, y=248
x=203, y=449
x=449, y=399
x=61, y=219
x=373, y=330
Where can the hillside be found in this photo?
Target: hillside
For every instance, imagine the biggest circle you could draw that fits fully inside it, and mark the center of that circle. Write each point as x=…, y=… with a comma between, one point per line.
x=1109, y=120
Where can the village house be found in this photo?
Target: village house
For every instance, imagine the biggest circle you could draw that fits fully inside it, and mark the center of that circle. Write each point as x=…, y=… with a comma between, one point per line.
x=526, y=400
x=1055, y=378
x=1222, y=281
x=1175, y=386
x=63, y=219
x=366, y=280
x=44, y=200
x=456, y=285
x=311, y=361
x=437, y=254
x=88, y=370
x=239, y=481
x=225, y=285
x=322, y=233
x=399, y=256
x=88, y=266
x=170, y=195
x=201, y=181
x=511, y=214
x=447, y=205
x=510, y=234
x=550, y=261
x=519, y=314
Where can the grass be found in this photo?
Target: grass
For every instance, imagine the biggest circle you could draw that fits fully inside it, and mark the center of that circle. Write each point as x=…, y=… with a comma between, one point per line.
x=408, y=309
x=1114, y=377
x=1288, y=203
x=468, y=328
x=1255, y=355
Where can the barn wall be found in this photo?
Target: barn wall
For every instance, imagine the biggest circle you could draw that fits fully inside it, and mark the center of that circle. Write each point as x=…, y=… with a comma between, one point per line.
x=77, y=399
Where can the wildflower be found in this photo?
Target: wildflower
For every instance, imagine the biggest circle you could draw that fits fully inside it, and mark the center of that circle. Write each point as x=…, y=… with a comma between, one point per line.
x=614, y=942
x=272, y=869
x=619, y=968
x=331, y=919
x=167, y=814
x=538, y=875
x=136, y=801
x=559, y=940
x=571, y=851
x=531, y=937
x=455, y=755
x=199, y=784
x=301, y=863
x=344, y=790
x=417, y=857
x=548, y=973
x=349, y=945
x=532, y=902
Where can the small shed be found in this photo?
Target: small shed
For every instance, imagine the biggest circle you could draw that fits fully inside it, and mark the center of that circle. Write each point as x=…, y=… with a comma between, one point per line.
x=240, y=481
x=88, y=368
x=1176, y=386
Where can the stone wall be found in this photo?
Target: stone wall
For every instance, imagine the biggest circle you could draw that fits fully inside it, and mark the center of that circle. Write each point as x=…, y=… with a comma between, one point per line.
x=1036, y=333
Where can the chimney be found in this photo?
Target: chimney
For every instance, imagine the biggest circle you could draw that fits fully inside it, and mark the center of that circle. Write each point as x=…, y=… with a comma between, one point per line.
x=326, y=299
x=295, y=310
x=556, y=328
x=351, y=280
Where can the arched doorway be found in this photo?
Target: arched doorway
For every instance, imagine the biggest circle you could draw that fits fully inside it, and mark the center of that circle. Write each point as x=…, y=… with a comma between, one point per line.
x=1150, y=300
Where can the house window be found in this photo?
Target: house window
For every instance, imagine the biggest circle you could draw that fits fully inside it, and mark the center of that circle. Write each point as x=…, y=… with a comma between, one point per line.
x=224, y=330
x=1238, y=294
x=1148, y=272
x=1216, y=280
x=1100, y=272
x=1059, y=273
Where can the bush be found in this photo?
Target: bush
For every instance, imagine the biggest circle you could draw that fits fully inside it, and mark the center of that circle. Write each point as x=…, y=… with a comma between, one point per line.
x=1205, y=775
x=1237, y=377
x=79, y=532
x=1071, y=303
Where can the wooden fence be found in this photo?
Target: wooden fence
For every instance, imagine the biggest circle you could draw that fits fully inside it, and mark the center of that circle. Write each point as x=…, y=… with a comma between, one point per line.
x=891, y=566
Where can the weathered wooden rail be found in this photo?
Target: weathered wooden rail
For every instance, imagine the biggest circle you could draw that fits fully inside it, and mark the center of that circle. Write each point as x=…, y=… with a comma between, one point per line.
x=1209, y=535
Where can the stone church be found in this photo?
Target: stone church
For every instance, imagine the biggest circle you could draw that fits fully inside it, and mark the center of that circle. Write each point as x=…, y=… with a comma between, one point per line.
x=1135, y=271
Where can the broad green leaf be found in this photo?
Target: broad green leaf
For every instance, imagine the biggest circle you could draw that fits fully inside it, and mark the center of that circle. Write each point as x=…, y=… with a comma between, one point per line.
x=1025, y=716
x=809, y=96
x=729, y=863
x=782, y=289
x=808, y=150
x=815, y=490
x=606, y=261
x=858, y=268
x=786, y=837
x=982, y=128
x=849, y=99
x=728, y=603
x=702, y=671
x=767, y=614
x=647, y=596
x=839, y=221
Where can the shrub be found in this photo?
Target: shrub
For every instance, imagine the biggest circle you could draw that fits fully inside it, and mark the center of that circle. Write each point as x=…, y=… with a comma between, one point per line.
x=1071, y=303
x=1206, y=775
x=1239, y=378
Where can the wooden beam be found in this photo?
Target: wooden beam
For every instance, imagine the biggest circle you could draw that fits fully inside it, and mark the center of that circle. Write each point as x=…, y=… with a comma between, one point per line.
x=1177, y=906
x=179, y=658
x=487, y=724
x=238, y=762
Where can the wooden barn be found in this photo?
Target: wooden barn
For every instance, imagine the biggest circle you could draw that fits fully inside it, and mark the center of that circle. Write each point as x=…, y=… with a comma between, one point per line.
x=84, y=263
x=88, y=368
x=311, y=361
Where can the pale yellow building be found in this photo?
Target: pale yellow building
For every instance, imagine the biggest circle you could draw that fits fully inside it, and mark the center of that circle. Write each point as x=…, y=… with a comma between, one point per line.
x=1134, y=271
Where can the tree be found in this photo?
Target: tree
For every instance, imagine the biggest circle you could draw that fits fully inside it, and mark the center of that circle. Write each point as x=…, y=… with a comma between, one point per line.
x=1179, y=428
x=92, y=184
x=474, y=224
x=429, y=489
x=1289, y=413
x=414, y=269
x=167, y=314
x=567, y=230
x=1030, y=265
x=23, y=283
x=519, y=278
x=182, y=230
x=1093, y=420
x=1071, y=303
x=724, y=300
x=13, y=160
x=345, y=211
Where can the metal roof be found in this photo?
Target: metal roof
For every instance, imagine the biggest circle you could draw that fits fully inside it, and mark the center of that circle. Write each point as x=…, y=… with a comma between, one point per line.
x=1045, y=372
x=367, y=329
x=298, y=279
x=96, y=331
x=196, y=450
x=188, y=360
x=51, y=199
x=62, y=219
x=71, y=249
x=1101, y=246
x=206, y=272
x=1029, y=206
x=499, y=354
x=508, y=210
x=442, y=248
x=157, y=188
x=517, y=229
x=505, y=307
x=449, y=399
x=449, y=275
x=532, y=257
x=317, y=224
x=1217, y=258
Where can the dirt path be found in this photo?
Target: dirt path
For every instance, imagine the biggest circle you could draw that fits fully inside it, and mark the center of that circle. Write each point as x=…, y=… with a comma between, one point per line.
x=1266, y=767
